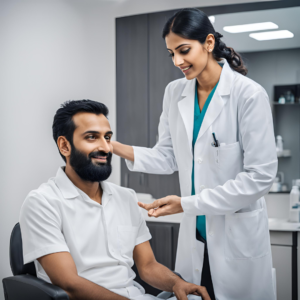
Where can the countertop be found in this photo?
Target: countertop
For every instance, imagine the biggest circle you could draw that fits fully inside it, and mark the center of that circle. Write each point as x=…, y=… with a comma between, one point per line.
x=167, y=219
x=283, y=225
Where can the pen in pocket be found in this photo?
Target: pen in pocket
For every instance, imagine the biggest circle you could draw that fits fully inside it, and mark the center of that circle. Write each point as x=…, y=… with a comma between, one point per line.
x=216, y=142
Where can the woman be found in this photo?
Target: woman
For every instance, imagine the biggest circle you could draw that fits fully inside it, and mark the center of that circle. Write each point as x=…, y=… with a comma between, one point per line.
x=216, y=129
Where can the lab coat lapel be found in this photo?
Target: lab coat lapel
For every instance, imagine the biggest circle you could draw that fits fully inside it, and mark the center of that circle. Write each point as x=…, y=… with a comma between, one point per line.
x=219, y=99
x=186, y=109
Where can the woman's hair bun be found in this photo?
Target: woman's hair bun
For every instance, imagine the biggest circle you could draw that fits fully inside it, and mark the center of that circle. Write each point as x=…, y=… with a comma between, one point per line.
x=217, y=35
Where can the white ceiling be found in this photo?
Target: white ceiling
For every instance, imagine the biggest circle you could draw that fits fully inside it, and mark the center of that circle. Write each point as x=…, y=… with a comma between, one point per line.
x=285, y=18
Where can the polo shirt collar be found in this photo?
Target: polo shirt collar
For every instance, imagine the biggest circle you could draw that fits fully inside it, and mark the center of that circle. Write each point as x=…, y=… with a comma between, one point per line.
x=106, y=187
x=67, y=187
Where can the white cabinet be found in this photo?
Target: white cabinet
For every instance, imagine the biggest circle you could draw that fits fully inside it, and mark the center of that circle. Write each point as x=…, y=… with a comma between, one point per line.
x=282, y=262
x=284, y=253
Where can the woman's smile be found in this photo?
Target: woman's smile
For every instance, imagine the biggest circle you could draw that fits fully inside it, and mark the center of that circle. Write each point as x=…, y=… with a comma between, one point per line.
x=185, y=69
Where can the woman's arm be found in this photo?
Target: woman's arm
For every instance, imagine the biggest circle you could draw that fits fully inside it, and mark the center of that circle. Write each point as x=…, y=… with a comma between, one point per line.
x=260, y=167
x=123, y=150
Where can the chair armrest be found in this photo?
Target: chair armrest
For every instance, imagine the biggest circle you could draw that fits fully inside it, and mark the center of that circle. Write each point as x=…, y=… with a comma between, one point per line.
x=30, y=287
x=164, y=295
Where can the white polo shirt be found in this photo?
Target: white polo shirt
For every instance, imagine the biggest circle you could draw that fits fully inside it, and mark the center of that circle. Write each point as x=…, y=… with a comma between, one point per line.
x=59, y=217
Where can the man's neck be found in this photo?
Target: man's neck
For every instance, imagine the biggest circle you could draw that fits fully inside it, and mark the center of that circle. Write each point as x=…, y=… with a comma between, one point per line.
x=92, y=189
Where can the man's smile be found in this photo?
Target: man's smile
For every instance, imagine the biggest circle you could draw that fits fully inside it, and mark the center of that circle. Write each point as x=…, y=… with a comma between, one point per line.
x=100, y=158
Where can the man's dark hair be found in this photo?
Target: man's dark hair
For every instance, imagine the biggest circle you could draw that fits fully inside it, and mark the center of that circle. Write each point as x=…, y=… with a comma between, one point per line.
x=63, y=124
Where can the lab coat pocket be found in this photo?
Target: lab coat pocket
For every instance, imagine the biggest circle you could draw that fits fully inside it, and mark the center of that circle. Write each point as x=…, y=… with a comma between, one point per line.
x=246, y=235
x=127, y=237
x=229, y=158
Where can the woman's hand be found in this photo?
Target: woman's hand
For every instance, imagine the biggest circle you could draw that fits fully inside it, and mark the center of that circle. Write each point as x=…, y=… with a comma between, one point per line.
x=169, y=205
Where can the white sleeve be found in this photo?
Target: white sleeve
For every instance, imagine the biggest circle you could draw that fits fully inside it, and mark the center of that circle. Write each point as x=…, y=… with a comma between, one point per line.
x=143, y=234
x=160, y=159
x=260, y=164
x=40, y=228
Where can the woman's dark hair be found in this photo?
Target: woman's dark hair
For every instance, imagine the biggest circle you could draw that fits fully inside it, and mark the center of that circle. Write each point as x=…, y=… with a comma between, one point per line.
x=194, y=24
x=63, y=124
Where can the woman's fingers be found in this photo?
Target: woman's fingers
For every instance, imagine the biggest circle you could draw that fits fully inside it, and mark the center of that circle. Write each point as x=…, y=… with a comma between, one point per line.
x=159, y=212
x=154, y=204
x=162, y=207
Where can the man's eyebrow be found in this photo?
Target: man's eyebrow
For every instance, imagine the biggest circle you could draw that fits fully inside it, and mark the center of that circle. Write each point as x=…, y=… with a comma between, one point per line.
x=179, y=46
x=96, y=132
x=91, y=131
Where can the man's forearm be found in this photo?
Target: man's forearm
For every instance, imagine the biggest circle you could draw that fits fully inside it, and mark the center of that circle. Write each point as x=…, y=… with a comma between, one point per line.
x=83, y=289
x=159, y=277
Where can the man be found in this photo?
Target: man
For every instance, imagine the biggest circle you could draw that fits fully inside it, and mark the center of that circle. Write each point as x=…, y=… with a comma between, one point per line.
x=83, y=233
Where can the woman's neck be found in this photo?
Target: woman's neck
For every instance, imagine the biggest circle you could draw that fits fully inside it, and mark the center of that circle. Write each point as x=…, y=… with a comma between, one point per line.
x=209, y=76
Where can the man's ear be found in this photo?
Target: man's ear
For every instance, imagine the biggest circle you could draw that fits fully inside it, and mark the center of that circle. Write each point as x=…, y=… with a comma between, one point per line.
x=64, y=146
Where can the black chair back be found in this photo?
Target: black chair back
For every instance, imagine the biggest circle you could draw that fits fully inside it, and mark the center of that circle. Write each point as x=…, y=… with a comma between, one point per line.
x=16, y=254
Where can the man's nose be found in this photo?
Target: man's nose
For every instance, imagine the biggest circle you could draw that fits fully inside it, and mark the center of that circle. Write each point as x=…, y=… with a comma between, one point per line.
x=104, y=146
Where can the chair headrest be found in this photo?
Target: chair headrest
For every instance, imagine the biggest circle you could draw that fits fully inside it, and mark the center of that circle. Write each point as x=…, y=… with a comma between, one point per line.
x=16, y=254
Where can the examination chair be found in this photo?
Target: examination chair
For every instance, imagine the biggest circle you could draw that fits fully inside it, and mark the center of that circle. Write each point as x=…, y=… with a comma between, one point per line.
x=24, y=285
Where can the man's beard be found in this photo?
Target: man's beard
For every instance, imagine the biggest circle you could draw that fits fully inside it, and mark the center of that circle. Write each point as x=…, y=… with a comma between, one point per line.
x=86, y=169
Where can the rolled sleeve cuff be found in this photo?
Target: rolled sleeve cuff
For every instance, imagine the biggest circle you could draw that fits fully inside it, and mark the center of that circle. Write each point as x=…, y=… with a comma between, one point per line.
x=136, y=165
x=44, y=251
x=144, y=238
x=191, y=205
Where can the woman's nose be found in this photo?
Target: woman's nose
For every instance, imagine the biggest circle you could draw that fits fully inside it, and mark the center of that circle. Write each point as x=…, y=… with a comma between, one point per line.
x=178, y=60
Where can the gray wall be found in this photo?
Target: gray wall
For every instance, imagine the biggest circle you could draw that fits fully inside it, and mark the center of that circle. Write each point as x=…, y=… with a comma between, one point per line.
x=281, y=67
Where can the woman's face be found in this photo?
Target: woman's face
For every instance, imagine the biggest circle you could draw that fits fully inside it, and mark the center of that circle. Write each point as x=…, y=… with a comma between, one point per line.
x=188, y=55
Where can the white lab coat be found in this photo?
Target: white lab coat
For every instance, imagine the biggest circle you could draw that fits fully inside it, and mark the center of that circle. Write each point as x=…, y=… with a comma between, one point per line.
x=230, y=182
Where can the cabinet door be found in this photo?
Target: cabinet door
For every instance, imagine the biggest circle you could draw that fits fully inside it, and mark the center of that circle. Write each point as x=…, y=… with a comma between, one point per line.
x=162, y=242
x=161, y=72
x=132, y=90
x=282, y=262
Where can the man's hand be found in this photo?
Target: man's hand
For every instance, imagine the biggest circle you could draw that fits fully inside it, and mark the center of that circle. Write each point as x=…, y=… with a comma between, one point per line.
x=169, y=205
x=161, y=277
x=181, y=289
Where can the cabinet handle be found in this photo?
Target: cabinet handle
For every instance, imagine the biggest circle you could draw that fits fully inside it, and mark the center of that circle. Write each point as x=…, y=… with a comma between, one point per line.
x=126, y=179
x=142, y=179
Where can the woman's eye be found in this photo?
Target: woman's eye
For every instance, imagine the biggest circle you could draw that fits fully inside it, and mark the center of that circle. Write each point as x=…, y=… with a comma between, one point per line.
x=185, y=51
x=107, y=137
x=91, y=137
x=171, y=54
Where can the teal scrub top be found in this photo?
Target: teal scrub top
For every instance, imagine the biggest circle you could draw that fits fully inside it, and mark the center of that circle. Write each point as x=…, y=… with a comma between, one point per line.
x=198, y=119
